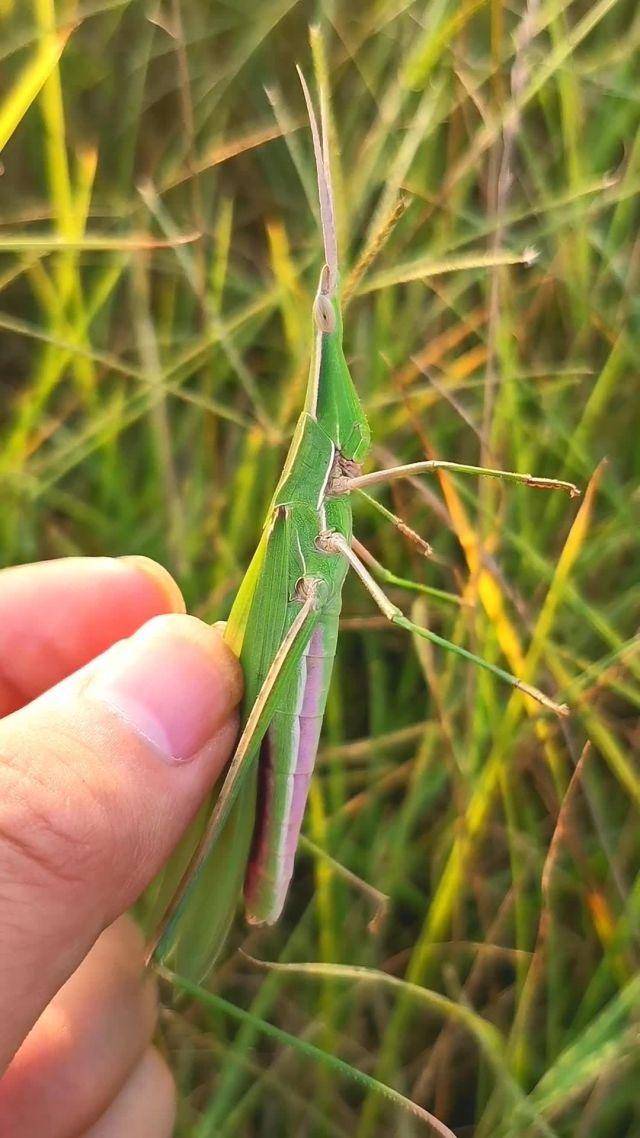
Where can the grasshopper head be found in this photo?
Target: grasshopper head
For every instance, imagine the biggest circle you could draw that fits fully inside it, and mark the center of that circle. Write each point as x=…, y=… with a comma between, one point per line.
x=336, y=407
x=332, y=398
x=324, y=314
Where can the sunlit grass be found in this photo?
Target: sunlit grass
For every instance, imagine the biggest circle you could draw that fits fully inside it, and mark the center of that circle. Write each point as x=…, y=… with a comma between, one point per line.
x=479, y=860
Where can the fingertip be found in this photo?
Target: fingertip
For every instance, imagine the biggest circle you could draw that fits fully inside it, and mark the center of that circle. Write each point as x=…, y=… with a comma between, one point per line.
x=161, y=578
x=146, y=1105
x=123, y=945
x=56, y=616
x=175, y=683
x=209, y=638
x=119, y=954
x=225, y=658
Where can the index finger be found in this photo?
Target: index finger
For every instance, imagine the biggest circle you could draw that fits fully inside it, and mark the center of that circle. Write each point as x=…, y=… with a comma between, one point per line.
x=56, y=616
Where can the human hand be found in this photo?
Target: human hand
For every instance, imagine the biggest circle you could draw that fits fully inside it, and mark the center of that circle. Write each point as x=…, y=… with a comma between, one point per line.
x=112, y=735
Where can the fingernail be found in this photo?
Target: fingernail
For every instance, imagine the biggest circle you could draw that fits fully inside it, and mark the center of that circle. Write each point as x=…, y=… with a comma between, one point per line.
x=160, y=576
x=175, y=682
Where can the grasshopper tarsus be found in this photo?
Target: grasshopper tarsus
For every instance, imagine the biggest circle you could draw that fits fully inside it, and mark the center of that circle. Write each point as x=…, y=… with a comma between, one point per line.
x=552, y=484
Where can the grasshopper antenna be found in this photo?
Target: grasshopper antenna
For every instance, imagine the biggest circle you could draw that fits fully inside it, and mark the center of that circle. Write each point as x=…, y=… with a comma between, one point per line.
x=323, y=169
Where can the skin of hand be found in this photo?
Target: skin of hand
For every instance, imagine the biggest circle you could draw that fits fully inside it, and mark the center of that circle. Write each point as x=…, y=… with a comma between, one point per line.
x=119, y=712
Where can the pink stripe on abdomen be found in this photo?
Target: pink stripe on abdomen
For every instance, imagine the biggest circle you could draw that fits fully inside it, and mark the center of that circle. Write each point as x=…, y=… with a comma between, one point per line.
x=272, y=860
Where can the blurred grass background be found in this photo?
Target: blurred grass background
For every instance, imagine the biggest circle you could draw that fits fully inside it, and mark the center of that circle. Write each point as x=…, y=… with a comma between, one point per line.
x=158, y=256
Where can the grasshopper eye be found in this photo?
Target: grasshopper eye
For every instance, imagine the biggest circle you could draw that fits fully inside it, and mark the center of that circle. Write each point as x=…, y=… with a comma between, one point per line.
x=323, y=313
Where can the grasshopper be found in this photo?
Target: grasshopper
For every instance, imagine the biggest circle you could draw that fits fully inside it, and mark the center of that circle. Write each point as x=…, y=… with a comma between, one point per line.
x=283, y=626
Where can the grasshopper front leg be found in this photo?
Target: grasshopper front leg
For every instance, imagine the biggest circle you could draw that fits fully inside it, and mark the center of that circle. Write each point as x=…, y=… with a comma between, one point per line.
x=345, y=483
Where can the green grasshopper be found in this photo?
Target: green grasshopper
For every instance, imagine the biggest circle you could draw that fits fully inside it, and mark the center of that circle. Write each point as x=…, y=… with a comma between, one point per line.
x=284, y=626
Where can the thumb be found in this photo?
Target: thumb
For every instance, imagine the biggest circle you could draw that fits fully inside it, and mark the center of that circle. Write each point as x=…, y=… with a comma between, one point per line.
x=98, y=779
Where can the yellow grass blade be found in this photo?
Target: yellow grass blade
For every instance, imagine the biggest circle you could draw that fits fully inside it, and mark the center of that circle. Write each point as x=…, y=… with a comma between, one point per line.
x=425, y=267
x=29, y=83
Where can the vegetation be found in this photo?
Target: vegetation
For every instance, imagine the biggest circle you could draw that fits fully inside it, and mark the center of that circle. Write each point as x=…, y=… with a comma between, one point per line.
x=464, y=925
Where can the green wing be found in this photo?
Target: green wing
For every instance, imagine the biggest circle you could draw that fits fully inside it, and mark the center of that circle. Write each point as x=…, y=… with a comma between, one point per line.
x=200, y=924
x=203, y=883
